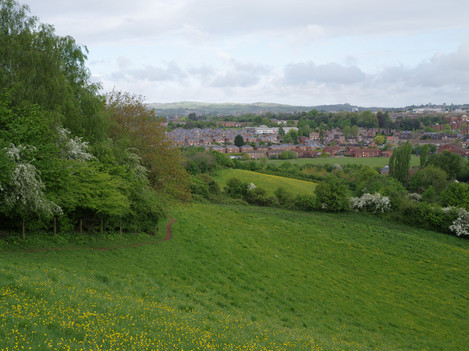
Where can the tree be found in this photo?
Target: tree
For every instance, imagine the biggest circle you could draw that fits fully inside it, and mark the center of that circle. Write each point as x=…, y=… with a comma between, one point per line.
x=24, y=195
x=450, y=163
x=456, y=195
x=143, y=130
x=399, y=164
x=281, y=131
x=429, y=176
x=424, y=156
x=332, y=195
x=37, y=66
x=239, y=140
x=379, y=139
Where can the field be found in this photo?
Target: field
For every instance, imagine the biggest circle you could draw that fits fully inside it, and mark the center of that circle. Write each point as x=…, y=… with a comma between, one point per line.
x=269, y=182
x=243, y=278
x=367, y=161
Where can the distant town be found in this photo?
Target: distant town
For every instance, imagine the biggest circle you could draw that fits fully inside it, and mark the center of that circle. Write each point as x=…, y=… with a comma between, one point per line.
x=321, y=134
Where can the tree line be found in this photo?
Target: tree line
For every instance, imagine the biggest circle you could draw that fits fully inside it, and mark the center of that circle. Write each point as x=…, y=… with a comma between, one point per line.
x=71, y=157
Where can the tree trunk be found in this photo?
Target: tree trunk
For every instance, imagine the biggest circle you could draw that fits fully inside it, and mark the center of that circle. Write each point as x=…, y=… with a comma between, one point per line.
x=81, y=226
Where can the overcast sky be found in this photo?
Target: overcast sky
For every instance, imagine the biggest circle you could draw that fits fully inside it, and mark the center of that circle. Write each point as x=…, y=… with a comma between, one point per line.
x=307, y=52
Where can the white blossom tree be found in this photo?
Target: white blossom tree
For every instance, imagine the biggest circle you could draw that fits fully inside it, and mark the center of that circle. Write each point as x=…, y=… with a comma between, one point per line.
x=24, y=195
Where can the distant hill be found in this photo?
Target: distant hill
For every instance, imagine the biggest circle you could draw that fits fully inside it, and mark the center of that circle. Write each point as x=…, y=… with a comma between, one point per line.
x=234, y=109
x=184, y=108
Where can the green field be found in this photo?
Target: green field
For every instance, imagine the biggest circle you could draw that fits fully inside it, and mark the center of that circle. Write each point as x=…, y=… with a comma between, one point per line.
x=244, y=278
x=367, y=161
x=269, y=182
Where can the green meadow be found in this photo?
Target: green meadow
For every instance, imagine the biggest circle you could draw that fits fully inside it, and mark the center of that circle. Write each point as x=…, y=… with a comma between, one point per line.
x=242, y=278
x=269, y=182
x=367, y=161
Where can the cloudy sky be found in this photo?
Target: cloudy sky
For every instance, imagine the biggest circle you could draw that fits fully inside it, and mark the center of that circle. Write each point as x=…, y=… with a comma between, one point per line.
x=307, y=52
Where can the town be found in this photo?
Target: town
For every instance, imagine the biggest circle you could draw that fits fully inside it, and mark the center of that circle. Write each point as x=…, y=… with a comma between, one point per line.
x=255, y=142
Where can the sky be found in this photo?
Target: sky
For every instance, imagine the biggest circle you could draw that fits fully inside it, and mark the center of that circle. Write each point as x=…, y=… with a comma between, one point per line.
x=298, y=52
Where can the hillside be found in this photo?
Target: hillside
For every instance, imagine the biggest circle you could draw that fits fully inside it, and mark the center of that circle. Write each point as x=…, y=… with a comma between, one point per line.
x=269, y=182
x=244, y=278
x=234, y=109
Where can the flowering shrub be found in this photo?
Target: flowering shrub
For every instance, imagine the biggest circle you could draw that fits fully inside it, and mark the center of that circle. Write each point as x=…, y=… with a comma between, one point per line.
x=460, y=225
x=374, y=203
x=415, y=196
x=73, y=148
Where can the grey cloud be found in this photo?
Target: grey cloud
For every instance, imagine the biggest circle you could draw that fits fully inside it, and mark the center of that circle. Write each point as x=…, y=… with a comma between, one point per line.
x=171, y=72
x=332, y=73
x=241, y=75
x=441, y=70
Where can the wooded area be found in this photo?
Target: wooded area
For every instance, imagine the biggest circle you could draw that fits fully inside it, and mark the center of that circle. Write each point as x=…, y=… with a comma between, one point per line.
x=69, y=155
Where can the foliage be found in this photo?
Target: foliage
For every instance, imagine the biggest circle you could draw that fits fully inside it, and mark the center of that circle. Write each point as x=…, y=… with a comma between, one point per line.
x=25, y=193
x=429, y=176
x=399, y=164
x=373, y=203
x=424, y=155
x=135, y=121
x=239, y=140
x=258, y=196
x=456, y=194
x=236, y=188
x=332, y=195
x=447, y=161
x=460, y=225
x=284, y=197
x=287, y=155
x=305, y=202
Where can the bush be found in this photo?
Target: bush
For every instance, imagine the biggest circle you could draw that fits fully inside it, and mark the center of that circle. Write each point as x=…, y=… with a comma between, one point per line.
x=236, y=188
x=373, y=203
x=258, y=196
x=284, y=198
x=305, y=202
x=332, y=195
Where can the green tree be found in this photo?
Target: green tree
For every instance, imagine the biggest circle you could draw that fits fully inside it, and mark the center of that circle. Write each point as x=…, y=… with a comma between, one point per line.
x=39, y=67
x=281, y=131
x=332, y=195
x=379, y=139
x=429, y=176
x=424, y=156
x=456, y=195
x=399, y=164
x=239, y=140
x=450, y=163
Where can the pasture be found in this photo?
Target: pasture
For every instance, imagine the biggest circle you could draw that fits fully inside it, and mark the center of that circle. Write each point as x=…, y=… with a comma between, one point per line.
x=242, y=278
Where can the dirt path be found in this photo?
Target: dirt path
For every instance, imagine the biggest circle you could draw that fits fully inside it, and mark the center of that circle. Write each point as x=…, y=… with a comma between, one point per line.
x=167, y=237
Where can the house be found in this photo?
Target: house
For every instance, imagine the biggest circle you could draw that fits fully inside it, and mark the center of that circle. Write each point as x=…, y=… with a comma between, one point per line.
x=332, y=150
x=454, y=149
x=232, y=149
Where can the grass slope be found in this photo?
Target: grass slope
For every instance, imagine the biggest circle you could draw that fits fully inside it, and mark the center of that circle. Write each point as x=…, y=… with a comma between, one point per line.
x=245, y=278
x=269, y=182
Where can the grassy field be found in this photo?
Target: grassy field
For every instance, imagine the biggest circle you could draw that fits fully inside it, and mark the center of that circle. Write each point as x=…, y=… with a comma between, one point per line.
x=269, y=182
x=368, y=161
x=244, y=278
